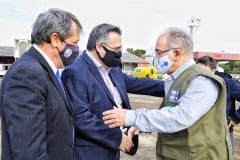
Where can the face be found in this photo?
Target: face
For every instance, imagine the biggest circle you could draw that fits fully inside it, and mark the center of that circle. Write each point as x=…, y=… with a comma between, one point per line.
x=161, y=45
x=73, y=40
x=115, y=45
x=207, y=66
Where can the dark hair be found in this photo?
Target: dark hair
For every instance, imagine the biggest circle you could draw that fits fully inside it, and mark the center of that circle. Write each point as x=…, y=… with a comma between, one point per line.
x=100, y=34
x=53, y=21
x=208, y=61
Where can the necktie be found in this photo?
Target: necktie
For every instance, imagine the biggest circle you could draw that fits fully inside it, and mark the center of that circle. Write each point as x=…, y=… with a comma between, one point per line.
x=60, y=81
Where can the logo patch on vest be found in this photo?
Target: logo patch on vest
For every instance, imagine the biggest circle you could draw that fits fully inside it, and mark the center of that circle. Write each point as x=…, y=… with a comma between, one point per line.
x=174, y=96
x=171, y=105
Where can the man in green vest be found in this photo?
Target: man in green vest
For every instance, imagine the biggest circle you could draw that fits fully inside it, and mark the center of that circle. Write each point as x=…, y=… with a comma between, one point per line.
x=190, y=121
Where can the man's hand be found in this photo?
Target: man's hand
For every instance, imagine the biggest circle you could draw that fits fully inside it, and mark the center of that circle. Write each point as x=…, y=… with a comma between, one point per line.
x=126, y=143
x=132, y=132
x=231, y=123
x=115, y=117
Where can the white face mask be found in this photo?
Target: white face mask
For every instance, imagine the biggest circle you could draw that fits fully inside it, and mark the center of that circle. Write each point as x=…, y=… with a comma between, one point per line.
x=164, y=63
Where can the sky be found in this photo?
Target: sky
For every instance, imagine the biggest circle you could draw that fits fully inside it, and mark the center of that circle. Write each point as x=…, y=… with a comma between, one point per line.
x=141, y=21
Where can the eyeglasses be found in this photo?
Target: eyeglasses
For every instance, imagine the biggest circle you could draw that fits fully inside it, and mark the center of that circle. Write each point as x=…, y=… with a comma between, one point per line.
x=159, y=52
x=117, y=51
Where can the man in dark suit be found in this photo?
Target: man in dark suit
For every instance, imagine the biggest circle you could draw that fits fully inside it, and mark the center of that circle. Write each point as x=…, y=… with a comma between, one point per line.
x=96, y=84
x=36, y=112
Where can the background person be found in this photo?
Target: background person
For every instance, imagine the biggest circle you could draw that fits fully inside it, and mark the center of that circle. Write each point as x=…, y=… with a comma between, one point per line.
x=233, y=93
x=36, y=112
x=190, y=119
x=96, y=84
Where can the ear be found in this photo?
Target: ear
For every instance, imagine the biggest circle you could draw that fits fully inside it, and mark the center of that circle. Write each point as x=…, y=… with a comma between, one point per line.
x=177, y=54
x=99, y=47
x=54, y=39
x=214, y=70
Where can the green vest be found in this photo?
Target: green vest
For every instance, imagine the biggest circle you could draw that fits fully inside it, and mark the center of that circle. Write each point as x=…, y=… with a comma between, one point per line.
x=206, y=139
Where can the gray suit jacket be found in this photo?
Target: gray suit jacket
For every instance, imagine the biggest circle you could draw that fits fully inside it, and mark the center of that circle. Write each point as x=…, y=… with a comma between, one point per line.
x=37, y=119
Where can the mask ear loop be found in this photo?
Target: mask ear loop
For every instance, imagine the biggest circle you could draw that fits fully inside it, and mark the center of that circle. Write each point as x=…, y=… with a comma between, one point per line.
x=63, y=42
x=171, y=52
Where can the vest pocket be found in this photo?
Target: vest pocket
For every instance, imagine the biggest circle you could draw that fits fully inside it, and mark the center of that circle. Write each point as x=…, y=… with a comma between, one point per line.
x=176, y=152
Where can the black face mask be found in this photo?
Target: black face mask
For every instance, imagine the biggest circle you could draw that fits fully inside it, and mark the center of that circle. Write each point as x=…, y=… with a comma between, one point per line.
x=111, y=59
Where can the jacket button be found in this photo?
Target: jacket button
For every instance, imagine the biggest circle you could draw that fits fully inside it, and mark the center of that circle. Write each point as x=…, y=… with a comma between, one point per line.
x=70, y=121
x=71, y=145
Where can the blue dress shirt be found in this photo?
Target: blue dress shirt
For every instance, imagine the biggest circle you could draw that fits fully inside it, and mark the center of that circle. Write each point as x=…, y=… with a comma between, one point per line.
x=200, y=96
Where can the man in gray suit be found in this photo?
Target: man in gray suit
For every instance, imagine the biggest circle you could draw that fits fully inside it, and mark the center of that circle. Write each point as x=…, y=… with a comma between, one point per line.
x=36, y=112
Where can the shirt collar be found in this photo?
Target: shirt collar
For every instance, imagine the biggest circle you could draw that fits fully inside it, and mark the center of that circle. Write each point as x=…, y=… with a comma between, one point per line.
x=97, y=64
x=183, y=68
x=49, y=61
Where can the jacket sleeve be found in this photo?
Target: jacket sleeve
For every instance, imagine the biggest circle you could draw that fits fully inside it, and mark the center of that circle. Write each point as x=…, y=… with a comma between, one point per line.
x=87, y=124
x=234, y=89
x=144, y=86
x=235, y=94
x=24, y=109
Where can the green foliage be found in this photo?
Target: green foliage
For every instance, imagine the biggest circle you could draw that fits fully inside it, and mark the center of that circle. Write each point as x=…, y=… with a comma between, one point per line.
x=232, y=67
x=138, y=52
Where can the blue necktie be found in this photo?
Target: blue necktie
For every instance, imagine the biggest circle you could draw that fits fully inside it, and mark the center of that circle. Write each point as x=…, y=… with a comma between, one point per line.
x=60, y=81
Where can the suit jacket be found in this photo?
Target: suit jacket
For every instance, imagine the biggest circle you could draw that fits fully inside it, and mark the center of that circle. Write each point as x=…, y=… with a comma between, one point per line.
x=37, y=120
x=91, y=97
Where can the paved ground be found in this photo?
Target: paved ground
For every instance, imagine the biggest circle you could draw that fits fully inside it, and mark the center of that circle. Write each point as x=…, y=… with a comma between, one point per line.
x=147, y=142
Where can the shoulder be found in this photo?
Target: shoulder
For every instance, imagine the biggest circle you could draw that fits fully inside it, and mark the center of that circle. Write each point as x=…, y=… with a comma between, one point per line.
x=116, y=69
x=232, y=82
x=204, y=81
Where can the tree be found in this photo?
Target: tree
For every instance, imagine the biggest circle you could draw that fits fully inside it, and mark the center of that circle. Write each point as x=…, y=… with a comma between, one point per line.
x=231, y=67
x=138, y=52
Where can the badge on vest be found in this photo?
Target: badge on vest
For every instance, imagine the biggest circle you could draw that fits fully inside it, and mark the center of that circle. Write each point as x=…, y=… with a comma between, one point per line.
x=174, y=96
x=171, y=105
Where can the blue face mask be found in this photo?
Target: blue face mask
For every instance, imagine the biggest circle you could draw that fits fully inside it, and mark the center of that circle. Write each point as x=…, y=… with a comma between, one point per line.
x=163, y=64
x=69, y=54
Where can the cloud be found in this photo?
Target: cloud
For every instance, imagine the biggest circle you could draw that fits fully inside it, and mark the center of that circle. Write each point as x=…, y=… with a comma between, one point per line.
x=140, y=20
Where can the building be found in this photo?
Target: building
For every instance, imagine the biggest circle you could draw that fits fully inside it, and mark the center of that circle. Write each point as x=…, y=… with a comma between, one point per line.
x=130, y=62
x=217, y=56
x=6, y=57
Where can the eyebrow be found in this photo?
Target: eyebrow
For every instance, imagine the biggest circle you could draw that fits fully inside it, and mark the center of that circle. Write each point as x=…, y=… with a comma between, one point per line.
x=157, y=49
x=118, y=47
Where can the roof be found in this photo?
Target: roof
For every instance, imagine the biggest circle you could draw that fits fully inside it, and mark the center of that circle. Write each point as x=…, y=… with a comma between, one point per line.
x=131, y=58
x=6, y=51
x=218, y=56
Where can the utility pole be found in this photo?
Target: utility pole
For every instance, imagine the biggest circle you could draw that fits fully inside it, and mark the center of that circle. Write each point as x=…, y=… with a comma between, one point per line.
x=193, y=23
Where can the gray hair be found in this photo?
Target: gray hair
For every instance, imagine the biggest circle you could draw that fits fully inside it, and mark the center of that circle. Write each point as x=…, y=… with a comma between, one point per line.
x=53, y=21
x=178, y=38
x=100, y=34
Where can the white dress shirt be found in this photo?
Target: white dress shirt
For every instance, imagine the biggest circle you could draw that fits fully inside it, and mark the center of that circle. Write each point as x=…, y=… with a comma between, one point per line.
x=49, y=61
x=199, y=97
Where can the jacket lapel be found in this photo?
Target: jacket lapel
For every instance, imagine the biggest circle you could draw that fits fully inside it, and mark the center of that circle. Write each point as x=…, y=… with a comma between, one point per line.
x=117, y=81
x=97, y=75
x=44, y=63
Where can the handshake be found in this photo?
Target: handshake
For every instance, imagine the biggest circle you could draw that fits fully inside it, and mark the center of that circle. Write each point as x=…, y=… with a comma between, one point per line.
x=126, y=143
x=116, y=118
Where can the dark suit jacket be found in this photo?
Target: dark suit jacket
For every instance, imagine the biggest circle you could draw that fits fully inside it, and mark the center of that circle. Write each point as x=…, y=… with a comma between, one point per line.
x=37, y=120
x=91, y=97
